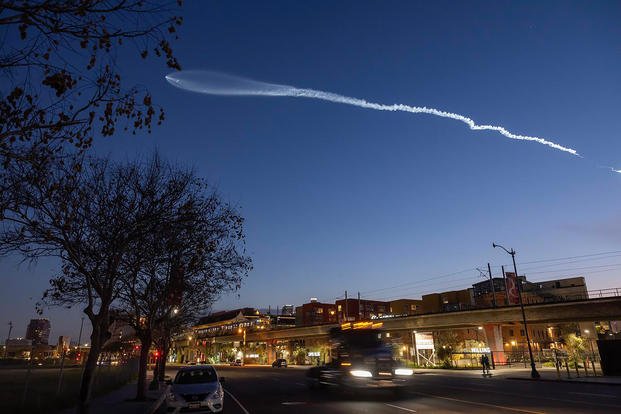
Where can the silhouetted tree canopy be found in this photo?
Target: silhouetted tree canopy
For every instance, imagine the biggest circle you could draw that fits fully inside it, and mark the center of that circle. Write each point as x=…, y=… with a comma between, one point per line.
x=61, y=79
x=138, y=238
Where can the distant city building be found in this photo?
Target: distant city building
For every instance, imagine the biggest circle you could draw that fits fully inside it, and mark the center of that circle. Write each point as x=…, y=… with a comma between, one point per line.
x=288, y=310
x=402, y=307
x=64, y=342
x=572, y=288
x=18, y=348
x=315, y=313
x=454, y=300
x=361, y=309
x=229, y=322
x=282, y=321
x=38, y=331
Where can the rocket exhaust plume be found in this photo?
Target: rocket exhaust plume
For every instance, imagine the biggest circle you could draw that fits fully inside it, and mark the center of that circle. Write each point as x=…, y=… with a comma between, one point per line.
x=214, y=83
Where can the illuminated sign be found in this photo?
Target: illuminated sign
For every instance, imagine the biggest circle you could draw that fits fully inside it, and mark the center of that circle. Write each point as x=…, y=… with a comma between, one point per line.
x=424, y=340
x=361, y=325
x=479, y=350
x=314, y=354
x=252, y=356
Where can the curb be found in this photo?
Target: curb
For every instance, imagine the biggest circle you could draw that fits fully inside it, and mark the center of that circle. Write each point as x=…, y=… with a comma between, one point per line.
x=566, y=381
x=156, y=405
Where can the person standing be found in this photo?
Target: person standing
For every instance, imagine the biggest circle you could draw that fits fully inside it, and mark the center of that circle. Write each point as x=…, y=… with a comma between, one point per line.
x=485, y=364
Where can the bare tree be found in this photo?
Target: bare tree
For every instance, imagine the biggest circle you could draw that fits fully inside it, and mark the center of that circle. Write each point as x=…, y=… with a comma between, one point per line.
x=88, y=215
x=61, y=76
x=195, y=253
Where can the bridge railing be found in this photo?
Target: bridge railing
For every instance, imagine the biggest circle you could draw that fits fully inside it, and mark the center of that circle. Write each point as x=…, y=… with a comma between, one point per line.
x=591, y=294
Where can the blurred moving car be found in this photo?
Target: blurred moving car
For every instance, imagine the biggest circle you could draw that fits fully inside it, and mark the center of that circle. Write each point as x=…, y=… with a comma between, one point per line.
x=279, y=363
x=196, y=389
x=236, y=363
x=361, y=359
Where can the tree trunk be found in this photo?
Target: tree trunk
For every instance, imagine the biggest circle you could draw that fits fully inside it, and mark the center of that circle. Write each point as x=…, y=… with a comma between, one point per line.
x=162, y=370
x=98, y=338
x=141, y=390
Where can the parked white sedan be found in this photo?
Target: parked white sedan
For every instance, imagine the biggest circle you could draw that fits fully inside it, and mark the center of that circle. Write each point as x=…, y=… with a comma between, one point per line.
x=197, y=389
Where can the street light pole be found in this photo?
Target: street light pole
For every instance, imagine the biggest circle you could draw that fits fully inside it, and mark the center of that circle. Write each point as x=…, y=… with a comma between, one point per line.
x=533, y=371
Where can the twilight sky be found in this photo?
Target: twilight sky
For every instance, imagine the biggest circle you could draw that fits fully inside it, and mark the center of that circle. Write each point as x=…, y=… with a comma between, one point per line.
x=391, y=204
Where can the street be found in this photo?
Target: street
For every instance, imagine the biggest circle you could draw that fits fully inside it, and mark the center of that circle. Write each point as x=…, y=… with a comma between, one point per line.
x=258, y=389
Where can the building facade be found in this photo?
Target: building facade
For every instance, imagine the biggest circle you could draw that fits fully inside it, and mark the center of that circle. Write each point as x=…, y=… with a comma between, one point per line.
x=38, y=331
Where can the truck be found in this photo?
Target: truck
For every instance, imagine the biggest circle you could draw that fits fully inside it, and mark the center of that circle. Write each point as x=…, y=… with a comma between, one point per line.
x=360, y=359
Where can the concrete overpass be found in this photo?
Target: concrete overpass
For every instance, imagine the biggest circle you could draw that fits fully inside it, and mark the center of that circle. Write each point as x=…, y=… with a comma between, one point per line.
x=590, y=310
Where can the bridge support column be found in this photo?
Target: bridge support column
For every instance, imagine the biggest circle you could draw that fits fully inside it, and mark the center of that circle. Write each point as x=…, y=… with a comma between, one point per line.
x=271, y=351
x=493, y=334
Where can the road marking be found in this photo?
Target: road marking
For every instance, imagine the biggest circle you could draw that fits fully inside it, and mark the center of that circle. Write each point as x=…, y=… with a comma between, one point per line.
x=532, y=396
x=293, y=403
x=237, y=401
x=478, y=403
x=400, y=408
x=596, y=395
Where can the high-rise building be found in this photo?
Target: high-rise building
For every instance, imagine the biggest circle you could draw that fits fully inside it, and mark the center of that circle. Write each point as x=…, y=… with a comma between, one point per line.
x=38, y=331
x=63, y=344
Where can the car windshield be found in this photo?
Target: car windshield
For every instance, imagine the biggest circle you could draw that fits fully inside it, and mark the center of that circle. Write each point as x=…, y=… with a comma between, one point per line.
x=196, y=376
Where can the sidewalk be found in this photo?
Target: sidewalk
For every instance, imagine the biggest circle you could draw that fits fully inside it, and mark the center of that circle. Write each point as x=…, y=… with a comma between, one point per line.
x=547, y=374
x=121, y=401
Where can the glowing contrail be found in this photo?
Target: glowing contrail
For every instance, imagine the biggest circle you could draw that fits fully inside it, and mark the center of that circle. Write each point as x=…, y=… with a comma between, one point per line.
x=214, y=83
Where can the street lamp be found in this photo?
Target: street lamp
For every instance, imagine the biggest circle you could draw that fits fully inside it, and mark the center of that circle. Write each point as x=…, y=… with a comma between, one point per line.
x=533, y=371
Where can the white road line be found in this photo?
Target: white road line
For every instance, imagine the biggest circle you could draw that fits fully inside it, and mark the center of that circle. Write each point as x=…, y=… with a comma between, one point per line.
x=596, y=395
x=237, y=401
x=477, y=403
x=590, y=403
x=400, y=408
x=293, y=403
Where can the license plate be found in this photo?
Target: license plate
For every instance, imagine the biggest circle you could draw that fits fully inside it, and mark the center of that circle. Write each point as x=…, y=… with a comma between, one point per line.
x=194, y=405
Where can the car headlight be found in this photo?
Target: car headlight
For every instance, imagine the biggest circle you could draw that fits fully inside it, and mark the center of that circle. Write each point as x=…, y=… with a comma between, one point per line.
x=404, y=371
x=217, y=394
x=361, y=373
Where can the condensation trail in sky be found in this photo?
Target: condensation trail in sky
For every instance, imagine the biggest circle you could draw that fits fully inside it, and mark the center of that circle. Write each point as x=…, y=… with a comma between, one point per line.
x=214, y=83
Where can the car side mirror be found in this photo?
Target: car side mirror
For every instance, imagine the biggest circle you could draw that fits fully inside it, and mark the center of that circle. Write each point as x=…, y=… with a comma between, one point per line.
x=222, y=380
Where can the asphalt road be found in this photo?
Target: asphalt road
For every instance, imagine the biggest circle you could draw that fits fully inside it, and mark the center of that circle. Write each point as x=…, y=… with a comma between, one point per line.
x=255, y=390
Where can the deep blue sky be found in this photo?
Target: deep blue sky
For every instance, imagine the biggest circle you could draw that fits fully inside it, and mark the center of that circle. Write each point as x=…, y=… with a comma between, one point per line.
x=338, y=197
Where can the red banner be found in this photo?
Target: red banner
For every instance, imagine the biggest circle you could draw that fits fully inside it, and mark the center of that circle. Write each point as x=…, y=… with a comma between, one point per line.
x=513, y=293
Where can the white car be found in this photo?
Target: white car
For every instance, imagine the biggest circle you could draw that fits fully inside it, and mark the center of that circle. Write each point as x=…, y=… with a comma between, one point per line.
x=197, y=389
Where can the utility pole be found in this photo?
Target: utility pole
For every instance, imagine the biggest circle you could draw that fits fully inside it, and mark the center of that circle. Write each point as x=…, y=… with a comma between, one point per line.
x=346, y=316
x=359, y=310
x=491, y=281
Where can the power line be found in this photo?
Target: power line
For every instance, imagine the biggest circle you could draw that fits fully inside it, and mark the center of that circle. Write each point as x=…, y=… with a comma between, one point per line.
x=614, y=265
x=417, y=281
x=570, y=257
x=569, y=262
